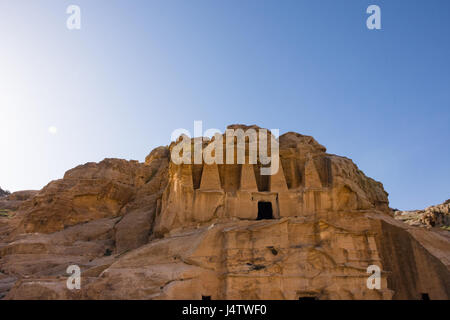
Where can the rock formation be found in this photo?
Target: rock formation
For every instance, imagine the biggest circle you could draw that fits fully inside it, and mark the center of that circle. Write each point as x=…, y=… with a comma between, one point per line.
x=3, y=193
x=13, y=201
x=158, y=230
x=434, y=216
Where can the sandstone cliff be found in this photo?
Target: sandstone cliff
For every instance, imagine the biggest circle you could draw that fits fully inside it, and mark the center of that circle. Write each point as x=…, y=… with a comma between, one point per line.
x=157, y=230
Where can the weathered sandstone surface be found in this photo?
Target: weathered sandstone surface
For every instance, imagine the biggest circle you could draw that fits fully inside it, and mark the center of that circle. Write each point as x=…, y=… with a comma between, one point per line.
x=157, y=230
x=14, y=201
x=432, y=217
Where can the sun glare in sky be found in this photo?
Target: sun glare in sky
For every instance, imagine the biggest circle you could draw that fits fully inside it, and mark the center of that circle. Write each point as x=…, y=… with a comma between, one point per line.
x=136, y=71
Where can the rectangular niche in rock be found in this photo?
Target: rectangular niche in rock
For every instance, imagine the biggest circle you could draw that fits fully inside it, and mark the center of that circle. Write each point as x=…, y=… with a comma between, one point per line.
x=265, y=210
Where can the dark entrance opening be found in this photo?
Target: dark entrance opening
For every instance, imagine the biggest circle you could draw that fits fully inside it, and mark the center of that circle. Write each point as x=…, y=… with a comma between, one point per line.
x=425, y=296
x=206, y=298
x=307, y=298
x=265, y=210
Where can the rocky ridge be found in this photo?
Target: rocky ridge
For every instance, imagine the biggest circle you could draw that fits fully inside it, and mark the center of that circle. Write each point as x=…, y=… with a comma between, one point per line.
x=437, y=216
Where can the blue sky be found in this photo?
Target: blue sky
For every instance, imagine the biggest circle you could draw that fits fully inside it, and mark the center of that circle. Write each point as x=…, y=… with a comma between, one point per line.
x=137, y=70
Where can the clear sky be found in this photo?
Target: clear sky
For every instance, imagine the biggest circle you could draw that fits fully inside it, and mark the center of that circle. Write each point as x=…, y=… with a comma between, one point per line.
x=137, y=70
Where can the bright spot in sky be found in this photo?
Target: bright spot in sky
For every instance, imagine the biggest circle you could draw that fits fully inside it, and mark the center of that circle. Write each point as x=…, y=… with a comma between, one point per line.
x=52, y=130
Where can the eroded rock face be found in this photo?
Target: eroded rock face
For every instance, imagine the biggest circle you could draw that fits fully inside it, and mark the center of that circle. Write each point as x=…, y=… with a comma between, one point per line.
x=94, y=213
x=434, y=216
x=12, y=202
x=157, y=230
x=92, y=191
